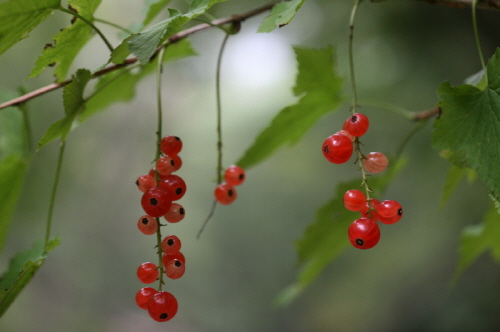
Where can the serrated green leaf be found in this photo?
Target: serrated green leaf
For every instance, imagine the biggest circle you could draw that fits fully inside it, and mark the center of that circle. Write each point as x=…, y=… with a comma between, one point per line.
x=326, y=238
x=154, y=7
x=21, y=269
x=68, y=42
x=280, y=15
x=121, y=52
x=19, y=17
x=469, y=125
x=320, y=90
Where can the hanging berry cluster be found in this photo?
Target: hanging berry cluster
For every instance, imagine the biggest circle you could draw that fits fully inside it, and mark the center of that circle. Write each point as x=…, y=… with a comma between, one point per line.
x=225, y=193
x=363, y=233
x=161, y=188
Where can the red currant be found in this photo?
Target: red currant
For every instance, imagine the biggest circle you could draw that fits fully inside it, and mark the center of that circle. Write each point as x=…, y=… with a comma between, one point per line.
x=225, y=193
x=174, y=185
x=171, y=244
x=175, y=214
x=345, y=133
x=357, y=124
x=177, y=162
x=337, y=148
x=143, y=295
x=152, y=173
x=147, y=273
x=354, y=200
x=156, y=202
x=147, y=225
x=375, y=162
x=176, y=255
x=171, y=145
x=162, y=306
x=165, y=165
x=370, y=209
x=364, y=233
x=175, y=269
x=145, y=182
x=234, y=175
x=389, y=212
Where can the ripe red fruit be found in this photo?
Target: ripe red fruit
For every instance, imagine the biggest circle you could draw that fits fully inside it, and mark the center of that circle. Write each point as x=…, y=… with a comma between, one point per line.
x=174, y=185
x=147, y=273
x=177, y=162
x=143, y=295
x=166, y=165
x=357, y=124
x=225, y=193
x=171, y=244
x=370, y=213
x=175, y=214
x=364, y=233
x=234, y=175
x=337, y=148
x=354, y=200
x=171, y=145
x=145, y=182
x=345, y=133
x=147, y=225
x=156, y=202
x=176, y=255
x=162, y=306
x=375, y=162
x=175, y=269
x=389, y=212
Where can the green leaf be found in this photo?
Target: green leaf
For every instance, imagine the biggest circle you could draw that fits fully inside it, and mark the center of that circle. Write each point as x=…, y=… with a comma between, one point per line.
x=455, y=175
x=68, y=42
x=470, y=123
x=154, y=8
x=21, y=269
x=19, y=17
x=320, y=90
x=326, y=238
x=280, y=15
x=121, y=52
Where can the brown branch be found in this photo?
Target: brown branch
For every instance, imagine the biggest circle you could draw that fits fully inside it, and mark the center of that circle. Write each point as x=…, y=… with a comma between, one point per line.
x=238, y=18
x=485, y=4
x=427, y=113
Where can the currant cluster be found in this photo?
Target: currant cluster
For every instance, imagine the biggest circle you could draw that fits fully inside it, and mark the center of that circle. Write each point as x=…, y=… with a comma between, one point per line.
x=161, y=189
x=225, y=193
x=338, y=148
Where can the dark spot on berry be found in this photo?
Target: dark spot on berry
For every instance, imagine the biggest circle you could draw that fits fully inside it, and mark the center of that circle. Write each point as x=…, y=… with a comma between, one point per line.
x=163, y=315
x=326, y=149
x=177, y=138
x=181, y=211
x=172, y=162
x=400, y=211
x=153, y=201
x=170, y=242
x=359, y=242
x=230, y=193
x=178, y=191
x=178, y=263
x=145, y=221
x=137, y=182
x=354, y=118
x=241, y=177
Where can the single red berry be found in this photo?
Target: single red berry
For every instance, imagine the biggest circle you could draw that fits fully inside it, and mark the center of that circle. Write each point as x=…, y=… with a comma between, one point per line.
x=147, y=225
x=147, y=273
x=175, y=269
x=162, y=306
x=171, y=145
x=337, y=148
x=389, y=212
x=364, y=233
x=225, y=193
x=165, y=165
x=171, y=244
x=345, y=133
x=357, y=124
x=370, y=209
x=177, y=162
x=175, y=214
x=145, y=182
x=174, y=185
x=234, y=175
x=143, y=295
x=176, y=255
x=152, y=173
x=375, y=162
x=354, y=200
x=156, y=202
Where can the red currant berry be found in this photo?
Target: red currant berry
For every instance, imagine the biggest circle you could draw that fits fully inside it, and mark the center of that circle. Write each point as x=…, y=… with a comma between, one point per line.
x=354, y=200
x=152, y=173
x=171, y=244
x=176, y=255
x=389, y=212
x=145, y=182
x=364, y=233
x=174, y=185
x=175, y=214
x=375, y=162
x=370, y=209
x=162, y=306
x=143, y=295
x=177, y=162
x=156, y=202
x=234, y=175
x=345, y=133
x=147, y=225
x=171, y=145
x=337, y=148
x=175, y=269
x=357, y=124
x=225, y=193
x=148, y=273
x=165, y=165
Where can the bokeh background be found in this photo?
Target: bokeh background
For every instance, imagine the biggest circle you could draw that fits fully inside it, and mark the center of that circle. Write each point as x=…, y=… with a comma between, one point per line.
x=246, y=256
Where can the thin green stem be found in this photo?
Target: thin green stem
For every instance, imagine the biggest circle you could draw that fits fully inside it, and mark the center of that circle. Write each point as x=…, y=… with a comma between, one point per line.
x=351, y=56
x=210, y=214
x=476, y=35
x=53, y=193
x=75, y=14
x=114, y=25
x=219, y=108
x=421, y=124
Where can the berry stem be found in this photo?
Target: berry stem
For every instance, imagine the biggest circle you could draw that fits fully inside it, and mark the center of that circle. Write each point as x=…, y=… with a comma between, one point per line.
x=114, y=25
x=351, y=56
x=210, y=214
x=476, y=35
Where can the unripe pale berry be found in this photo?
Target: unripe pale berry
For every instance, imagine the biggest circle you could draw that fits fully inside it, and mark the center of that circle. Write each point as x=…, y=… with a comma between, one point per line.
x=375, y=162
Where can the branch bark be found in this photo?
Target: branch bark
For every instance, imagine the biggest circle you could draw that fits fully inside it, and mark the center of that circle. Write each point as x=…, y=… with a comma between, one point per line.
x=237, y=18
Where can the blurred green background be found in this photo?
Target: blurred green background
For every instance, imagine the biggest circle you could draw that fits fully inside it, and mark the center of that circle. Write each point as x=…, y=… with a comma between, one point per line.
x=246, y=256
